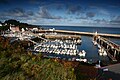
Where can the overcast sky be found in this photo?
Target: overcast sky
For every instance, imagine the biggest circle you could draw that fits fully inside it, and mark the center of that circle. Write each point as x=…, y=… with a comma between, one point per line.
x=62, y=12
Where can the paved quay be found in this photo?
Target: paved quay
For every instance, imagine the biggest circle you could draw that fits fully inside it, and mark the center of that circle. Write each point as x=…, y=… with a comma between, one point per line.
x=113, y=73
x=114, y=68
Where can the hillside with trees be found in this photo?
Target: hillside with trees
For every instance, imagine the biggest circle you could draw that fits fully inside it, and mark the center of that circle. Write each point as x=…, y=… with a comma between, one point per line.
x=13, y=22
x=16, y=63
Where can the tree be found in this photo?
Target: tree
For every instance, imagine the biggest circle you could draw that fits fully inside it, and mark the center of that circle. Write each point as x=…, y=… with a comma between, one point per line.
x=13, y=22
x=17, y=64
x=0, y=22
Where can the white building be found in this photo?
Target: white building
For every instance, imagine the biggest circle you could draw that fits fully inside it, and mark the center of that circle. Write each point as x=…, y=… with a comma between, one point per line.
x=52, y=29
x=14, y=29
x=34, y=29
x=0, y=24
x=23, y=29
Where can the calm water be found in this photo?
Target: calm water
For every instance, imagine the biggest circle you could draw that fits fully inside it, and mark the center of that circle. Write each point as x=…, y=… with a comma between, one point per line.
x=87, y=45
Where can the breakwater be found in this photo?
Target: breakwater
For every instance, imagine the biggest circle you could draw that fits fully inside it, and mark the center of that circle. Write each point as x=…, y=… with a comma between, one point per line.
x=80, y=33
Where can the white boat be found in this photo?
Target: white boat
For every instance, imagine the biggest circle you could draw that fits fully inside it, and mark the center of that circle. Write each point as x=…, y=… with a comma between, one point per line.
x=102, y=52
x=98, y=65
x=94, y=42
x=50, y=51
x=81, y=60
x=79, y=41
x=68, y=52
x=99, y=46
x=37, y=50
x=82, y=53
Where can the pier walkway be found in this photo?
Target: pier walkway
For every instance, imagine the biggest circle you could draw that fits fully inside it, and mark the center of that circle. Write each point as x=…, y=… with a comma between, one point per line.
x=113, y=50
x=61, y=36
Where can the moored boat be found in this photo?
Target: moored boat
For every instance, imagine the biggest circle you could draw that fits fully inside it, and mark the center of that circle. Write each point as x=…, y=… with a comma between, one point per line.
x=82, y=53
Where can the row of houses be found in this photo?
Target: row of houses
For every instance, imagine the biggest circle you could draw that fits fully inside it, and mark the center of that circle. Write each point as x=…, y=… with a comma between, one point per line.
x=17, y=29
x=14, y=28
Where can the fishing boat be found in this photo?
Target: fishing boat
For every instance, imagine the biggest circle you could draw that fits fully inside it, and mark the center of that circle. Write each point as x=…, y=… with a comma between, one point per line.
x=98, y=65
x=94, y=42
x=102, y=52
x=82, y=53
x=81, y=60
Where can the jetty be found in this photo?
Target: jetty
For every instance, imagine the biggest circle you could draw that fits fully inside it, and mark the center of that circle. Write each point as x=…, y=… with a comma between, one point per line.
x=79, y=33
x=61, y=36
x=112, y=49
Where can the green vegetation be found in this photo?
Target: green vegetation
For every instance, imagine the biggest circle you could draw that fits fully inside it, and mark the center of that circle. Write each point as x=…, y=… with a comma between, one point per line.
x=17, y=64
x=3, y=28
x=12, y=21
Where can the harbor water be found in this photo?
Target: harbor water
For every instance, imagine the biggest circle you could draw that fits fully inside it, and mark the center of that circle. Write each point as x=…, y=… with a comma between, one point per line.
x=87, y=45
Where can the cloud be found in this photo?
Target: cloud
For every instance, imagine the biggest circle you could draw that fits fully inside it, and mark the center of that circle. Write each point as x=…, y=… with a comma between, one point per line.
x=101, y=9
x=101, y=21
x=76, y=9
x=59, y=6
x=34, y=1
x=4, y=2
x=44, y=13
x=81, y=17
x=2, y=18
x=16, y=13
x=90, y=14
x=56, y=6
x=30, y=13
x=116, y=4
x=116, y=20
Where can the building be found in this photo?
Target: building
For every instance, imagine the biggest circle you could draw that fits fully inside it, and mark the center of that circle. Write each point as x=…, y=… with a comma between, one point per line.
x=34, y=29
x=0, y=24
x=14, y=28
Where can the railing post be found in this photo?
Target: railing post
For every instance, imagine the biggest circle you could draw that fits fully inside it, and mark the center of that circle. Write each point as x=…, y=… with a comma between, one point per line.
x=115, y=53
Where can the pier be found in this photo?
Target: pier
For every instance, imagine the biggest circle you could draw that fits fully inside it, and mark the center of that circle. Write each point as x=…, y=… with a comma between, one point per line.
x=61, y=36
x=80, y=33
x=112, y=49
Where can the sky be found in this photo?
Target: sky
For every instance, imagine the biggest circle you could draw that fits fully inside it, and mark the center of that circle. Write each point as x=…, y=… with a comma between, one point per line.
x=102, y=13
